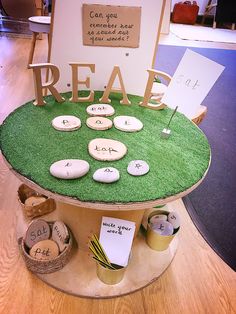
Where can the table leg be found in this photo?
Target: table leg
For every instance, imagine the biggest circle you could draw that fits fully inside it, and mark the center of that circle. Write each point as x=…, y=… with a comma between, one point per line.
x=31, y=54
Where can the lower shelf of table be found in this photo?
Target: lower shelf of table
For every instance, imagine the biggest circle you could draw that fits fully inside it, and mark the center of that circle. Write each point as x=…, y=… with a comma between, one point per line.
x=79, y=277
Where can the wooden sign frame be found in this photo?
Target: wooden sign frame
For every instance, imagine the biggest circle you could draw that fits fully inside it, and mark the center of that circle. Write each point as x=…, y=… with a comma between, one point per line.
x=66, y=45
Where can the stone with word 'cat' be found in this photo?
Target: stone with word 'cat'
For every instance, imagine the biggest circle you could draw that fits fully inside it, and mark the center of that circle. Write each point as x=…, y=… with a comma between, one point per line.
x=35, y=200
x=157, y=218
x=163, y=227
x=100, y=110
x=127, y=124
x=44, y=250
x=174, y=219
x=60, y=234
x=106, y=175
x=138, y=167
x=38, y=230
x=69, y=168
x=106, y=149
x=99, y=123
x=66, y=123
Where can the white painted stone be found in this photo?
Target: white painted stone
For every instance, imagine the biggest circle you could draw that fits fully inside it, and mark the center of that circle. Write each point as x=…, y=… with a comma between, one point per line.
x=69, y=168
x=66, y=123
x=106, y=175
x=127, y=123
x=38, y=230
x=99, y=123
x=163, y=227
x=106, y=149
x=45, y=250
x=60, y=235
x=138, y=167
x=174, y=219
x=100, y=110
x=157, y=218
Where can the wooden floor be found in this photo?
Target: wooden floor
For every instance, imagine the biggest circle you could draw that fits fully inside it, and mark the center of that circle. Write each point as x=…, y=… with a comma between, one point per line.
x=197, y=281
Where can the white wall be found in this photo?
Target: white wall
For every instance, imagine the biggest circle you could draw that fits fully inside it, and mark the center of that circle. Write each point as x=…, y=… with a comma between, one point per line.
x=202, y=4
x=67, y=46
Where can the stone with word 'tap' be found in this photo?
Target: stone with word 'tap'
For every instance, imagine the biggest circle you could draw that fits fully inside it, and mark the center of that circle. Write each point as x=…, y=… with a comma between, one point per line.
x=127, y=124
x=99, y=123
x=44, y=250
x=157, y=218
x=100, y=110
x=38, y=230
x=35, y=200
x=174, y=219
x=106, y=175
x=138, y=167
x=106, y=149
x=66, y=123
x=69, y=168
x=163, y=227
x=60, y=234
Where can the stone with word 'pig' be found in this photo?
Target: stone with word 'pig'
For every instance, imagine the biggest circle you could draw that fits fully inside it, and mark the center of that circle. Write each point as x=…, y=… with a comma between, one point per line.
x=99, y=123
x=157, y=218
x=100, y=110
x=69, y=168
x=127, y=124
x=106, y=149
x=44, y=250
x=35, y=200
x=106, y=175
x=174, y=219
x=138, y=167
x=163, y=227
x=38, y=230
x=66, y=123
x=60, y=234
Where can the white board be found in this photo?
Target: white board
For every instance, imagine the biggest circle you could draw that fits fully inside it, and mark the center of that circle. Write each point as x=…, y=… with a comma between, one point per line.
x=67, y=46
x=191, y=84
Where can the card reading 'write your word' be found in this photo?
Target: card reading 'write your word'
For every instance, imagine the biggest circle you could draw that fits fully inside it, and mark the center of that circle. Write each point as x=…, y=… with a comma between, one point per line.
x=191, y=82
x=116, y=237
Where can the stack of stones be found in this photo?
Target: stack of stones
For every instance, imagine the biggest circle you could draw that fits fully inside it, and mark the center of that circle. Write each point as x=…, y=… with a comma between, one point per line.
x=45, y=242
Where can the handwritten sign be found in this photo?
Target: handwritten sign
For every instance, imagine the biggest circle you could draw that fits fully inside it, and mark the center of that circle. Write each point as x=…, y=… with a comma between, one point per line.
x=191, y=83
x=116, y=237
x=112, y=26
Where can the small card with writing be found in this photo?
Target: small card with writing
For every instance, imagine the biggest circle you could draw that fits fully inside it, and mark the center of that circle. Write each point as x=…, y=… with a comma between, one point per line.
x=191, y=82
x=116, y=237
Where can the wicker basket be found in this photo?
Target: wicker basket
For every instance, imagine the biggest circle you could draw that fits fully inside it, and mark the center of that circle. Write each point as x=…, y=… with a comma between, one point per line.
x=44, y=266
x=43, y=208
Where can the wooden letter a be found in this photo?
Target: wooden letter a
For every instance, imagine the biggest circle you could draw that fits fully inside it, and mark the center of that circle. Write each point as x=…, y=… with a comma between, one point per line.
x=105, y=97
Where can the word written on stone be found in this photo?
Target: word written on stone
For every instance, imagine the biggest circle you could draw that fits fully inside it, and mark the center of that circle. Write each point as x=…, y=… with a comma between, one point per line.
x=37, y=231
x=106, y=149
x=110, y=150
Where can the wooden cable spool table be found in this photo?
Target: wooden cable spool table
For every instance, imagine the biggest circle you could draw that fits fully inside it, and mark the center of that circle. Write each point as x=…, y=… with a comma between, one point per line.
x=177, y=166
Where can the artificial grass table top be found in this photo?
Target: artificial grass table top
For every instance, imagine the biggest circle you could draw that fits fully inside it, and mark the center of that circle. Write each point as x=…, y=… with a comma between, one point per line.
x=30, y=145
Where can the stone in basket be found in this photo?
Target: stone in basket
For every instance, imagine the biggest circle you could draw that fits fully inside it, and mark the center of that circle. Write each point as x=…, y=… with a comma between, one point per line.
x=34, y=204
x=46, y=246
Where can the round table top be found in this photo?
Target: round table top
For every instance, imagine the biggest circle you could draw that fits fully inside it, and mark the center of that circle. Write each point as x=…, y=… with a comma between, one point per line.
x=178, y=164
x=40, y=19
